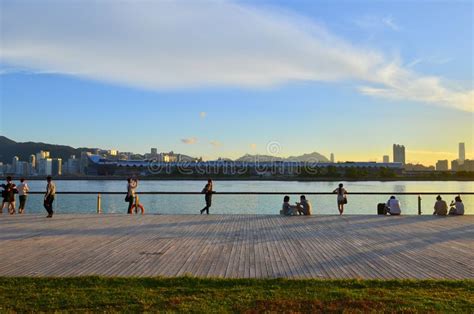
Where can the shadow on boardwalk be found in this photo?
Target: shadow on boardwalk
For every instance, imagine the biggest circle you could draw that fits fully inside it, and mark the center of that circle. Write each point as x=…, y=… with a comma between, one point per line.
x=241, y=246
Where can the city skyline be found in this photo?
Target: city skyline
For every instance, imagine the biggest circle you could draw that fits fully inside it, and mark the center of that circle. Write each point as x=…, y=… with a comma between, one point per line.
x=349, y=79
x=398, y=155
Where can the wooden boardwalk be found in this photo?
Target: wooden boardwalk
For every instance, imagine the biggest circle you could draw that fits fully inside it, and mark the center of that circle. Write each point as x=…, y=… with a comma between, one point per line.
x=238, y=246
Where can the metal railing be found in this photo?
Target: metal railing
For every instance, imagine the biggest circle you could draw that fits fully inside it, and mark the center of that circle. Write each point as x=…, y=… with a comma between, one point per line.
x=137, y=202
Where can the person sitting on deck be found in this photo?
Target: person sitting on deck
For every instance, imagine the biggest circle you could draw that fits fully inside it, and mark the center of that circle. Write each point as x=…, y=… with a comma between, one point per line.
x=287, y=209
x=457, y=206
x=304, y=206
x=440, y=207
x=393, y=206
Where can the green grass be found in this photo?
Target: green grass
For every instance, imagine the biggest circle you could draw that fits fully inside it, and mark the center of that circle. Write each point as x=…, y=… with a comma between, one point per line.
x=229, y=295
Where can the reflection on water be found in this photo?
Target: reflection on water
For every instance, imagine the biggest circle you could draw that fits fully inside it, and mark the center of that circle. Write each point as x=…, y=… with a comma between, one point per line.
x=240, y=204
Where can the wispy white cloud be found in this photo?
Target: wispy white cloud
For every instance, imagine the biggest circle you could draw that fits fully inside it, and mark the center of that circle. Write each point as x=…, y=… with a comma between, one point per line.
x=176, y=44
x=190, y=140
x=430, y=152
x=376, y=23
x=395, y=82
x=389, y=22
x=215, y=143
x=429, y=60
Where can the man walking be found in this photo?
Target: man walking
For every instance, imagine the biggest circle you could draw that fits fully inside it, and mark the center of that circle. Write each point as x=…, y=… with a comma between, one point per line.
x=49, y=196
x=8, y=195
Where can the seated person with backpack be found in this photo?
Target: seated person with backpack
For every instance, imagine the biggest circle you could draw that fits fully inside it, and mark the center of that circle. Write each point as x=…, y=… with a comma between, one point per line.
x=393, y=206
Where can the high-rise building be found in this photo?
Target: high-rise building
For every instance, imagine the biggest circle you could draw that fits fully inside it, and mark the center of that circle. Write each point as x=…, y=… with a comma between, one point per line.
x=399, y=153
x=154, y=151
x=72, y=166
x=45, y=166
x=332, y=157
x=33, y=161
x=83, y=164
x=57, y=167
x=442, y=165
x=15, y=163
x=22, y=168
x=40, y=156
x=454, y=165
x=386, y=158
x=462, y=153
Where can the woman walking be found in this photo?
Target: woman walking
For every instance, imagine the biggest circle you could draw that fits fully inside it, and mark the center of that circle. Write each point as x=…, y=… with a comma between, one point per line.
x=130, y=198
x=208, y=196
x=341, y=198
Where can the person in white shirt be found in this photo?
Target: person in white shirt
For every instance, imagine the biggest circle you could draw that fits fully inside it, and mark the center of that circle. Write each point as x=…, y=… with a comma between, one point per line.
x=23, y=190
x=341, y=198
x=393, y=206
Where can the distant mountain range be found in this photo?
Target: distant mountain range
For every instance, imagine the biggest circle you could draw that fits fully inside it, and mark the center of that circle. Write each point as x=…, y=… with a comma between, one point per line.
x=312, y=157
x=10, y=148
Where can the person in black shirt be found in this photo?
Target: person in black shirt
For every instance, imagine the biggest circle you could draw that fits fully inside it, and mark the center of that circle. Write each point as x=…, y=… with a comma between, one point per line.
x=8, y=195
x=208, y=196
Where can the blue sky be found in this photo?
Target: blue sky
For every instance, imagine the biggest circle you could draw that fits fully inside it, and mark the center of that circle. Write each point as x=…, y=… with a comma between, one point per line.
x=226, y=78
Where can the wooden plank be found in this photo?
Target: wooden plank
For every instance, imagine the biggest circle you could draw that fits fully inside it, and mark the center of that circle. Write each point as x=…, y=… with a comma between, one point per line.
x=238, y=246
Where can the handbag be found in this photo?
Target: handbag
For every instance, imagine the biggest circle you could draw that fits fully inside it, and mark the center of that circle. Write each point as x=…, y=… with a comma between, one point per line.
x=344, y=201
x=127, y=198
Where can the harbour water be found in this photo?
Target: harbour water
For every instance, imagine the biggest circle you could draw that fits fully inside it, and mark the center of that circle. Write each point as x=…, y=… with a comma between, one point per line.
x=246, y=204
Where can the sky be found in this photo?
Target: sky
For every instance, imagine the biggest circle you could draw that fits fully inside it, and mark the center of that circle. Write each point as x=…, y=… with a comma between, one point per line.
x=226, y=78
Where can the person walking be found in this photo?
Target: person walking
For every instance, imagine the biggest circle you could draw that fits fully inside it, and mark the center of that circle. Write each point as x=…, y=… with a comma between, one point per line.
x=49, y=196
x=341, y=198
x=208, y=196
x=8, y=194
x=132, y=185
x=23, y=190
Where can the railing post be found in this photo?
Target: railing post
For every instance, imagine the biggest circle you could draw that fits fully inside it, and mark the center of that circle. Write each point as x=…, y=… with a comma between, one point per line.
x=419, y=204
x=99, y=205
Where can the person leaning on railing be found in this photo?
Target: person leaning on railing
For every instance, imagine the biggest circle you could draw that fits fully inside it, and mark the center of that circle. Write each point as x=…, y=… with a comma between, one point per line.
x=440, y=207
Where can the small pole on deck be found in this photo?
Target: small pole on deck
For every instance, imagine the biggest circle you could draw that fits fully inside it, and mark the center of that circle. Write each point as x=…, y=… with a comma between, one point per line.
x=99, y=205
x=419, y=204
